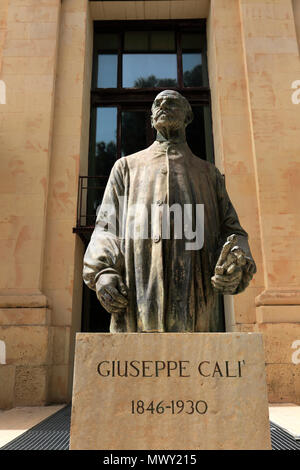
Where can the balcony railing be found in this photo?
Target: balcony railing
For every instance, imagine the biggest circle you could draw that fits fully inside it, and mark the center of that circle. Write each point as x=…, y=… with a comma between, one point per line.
x=90, y=193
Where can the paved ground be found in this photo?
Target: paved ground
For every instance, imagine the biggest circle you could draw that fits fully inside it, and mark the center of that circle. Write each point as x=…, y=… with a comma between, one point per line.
x=287, y=416
x=54, y=434
x=16, y=421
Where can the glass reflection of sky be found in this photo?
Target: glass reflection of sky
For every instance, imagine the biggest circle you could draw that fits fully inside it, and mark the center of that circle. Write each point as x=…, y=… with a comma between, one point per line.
x=107, y=70
x=106, y=126
x=191, y=60
x=136, y=66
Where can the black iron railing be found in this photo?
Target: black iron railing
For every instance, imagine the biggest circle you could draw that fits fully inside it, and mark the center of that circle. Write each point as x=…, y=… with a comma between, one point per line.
x=90, y=193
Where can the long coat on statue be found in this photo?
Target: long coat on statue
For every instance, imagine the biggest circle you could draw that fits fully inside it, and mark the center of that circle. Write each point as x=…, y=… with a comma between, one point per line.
x=169, y=285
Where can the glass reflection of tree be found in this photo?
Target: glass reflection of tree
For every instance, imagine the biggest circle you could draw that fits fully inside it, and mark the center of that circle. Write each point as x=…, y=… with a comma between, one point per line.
x=190, y=78
x=193, y=77
x=105, y=157
x=195, y=135
x=153, y=82
x=133, y=131
x=134, y=127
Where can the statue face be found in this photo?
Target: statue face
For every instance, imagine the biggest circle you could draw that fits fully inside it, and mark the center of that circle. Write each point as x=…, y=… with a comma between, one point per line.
x=169, y=111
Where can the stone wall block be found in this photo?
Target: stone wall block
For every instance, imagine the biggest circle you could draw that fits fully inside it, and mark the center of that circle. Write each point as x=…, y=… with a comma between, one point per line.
x=26, y=344
x=31, y=385
x=24, y=316
x=61, y=345
x=58, y=384
x=282, y=381
x=7, y=385
x=278, y=341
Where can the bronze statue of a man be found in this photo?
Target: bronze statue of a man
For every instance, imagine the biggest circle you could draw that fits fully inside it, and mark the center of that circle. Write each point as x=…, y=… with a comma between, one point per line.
x=158, y=283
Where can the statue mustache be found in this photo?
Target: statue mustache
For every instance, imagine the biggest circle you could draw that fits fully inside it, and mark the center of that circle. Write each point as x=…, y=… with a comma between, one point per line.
x=162, y=111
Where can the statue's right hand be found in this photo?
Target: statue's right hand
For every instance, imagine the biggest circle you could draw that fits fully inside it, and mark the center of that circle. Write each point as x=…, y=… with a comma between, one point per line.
x=112, y=293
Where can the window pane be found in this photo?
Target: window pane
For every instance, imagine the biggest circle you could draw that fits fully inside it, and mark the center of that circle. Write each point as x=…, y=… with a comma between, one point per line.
x=191, y=41
x=102, y=158
x=162, y=41
x=192, y=69
x=149, y=70
x=106, y=140
x=195, y=133
x=149, y=41
x=107, y=41
x=134, y=124
x=136, y=41
x=107, y=70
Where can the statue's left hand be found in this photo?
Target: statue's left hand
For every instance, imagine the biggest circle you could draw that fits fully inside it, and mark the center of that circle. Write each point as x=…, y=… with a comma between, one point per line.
x=230, y=268
x=227, y=283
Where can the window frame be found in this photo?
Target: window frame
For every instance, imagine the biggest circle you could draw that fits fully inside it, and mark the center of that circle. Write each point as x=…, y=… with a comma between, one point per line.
x=136, y=99
x=130, y=96
x=133, y=99
x=141, y=98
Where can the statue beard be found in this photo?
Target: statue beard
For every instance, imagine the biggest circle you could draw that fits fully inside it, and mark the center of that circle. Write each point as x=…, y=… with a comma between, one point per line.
x=169, y=122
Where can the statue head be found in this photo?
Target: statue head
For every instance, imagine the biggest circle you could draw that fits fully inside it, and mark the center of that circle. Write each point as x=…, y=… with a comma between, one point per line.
x=170, y=110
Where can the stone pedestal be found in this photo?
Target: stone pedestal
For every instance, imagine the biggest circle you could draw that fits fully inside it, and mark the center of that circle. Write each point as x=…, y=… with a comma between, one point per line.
x=169, y=391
